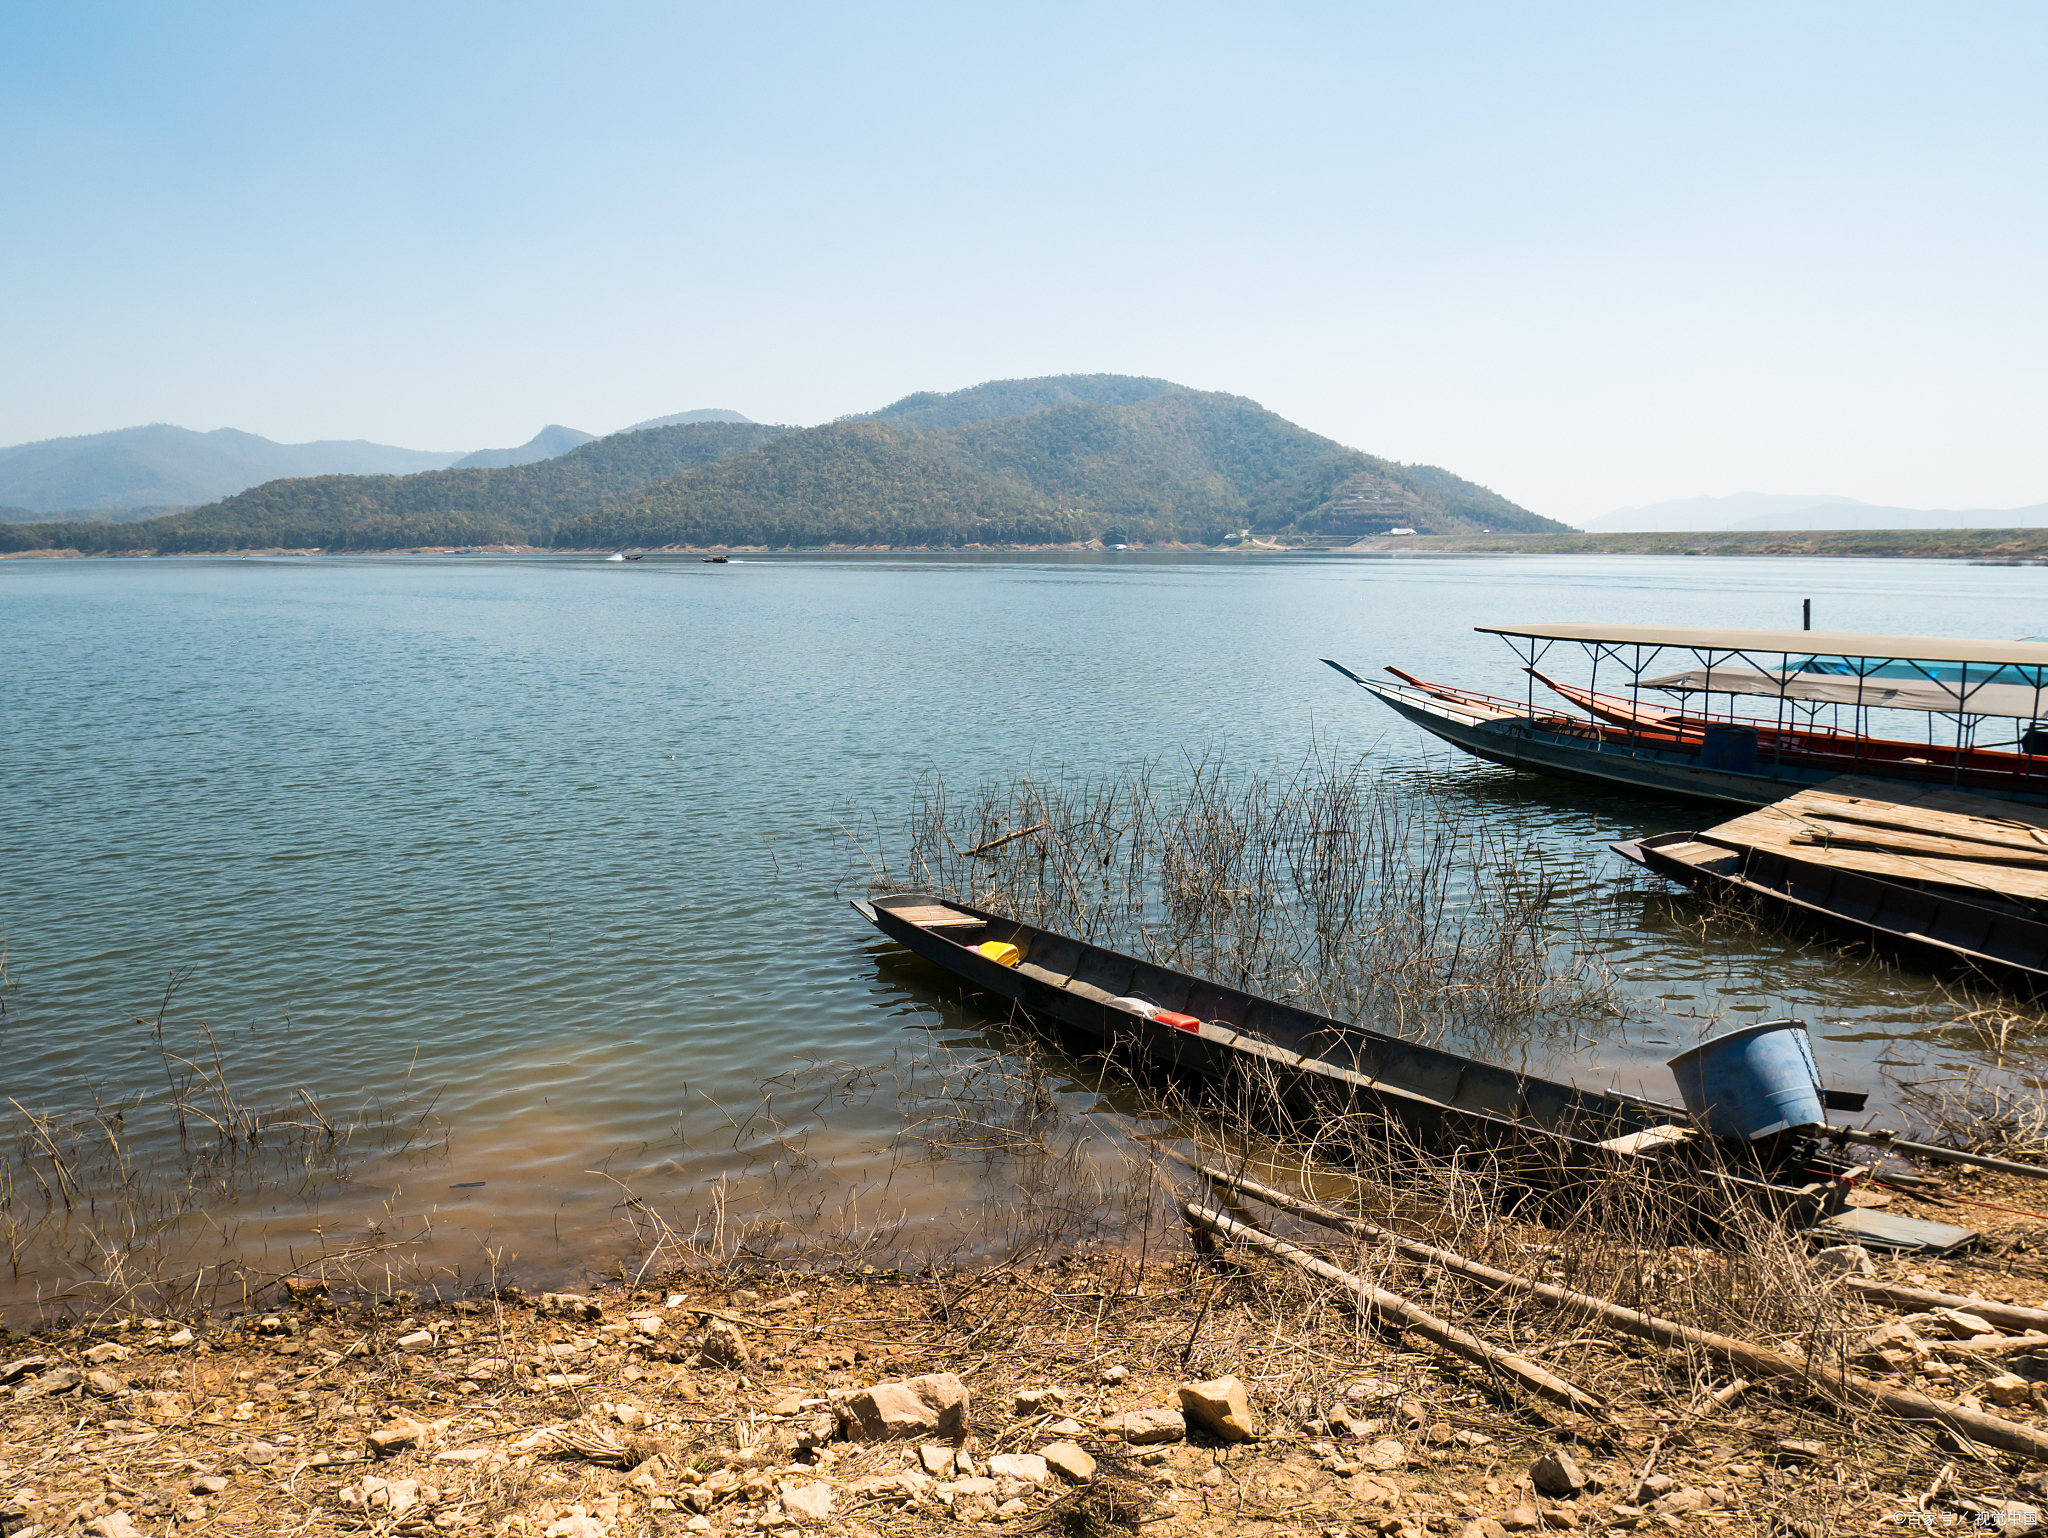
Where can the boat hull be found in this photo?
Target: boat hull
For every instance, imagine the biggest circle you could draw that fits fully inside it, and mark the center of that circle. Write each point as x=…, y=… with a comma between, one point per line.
x=1314, y=1070
x=1932, y=931
x=1525, y=744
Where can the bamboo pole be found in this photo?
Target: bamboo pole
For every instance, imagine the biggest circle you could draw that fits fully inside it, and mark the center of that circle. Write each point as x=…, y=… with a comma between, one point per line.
x=1392, y=1305
x=1758, y=1361
x=2008, y=1314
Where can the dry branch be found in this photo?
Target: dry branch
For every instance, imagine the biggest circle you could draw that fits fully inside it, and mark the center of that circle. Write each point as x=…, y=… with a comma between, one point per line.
x=1775, y=1366
x=1392, y=1305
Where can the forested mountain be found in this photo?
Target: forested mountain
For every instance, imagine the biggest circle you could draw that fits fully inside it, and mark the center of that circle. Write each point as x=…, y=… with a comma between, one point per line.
x=1014, y=398
x=520, y=504
x=550, y=441
x=677, y=419
x=1128, y=460
x=159, y=464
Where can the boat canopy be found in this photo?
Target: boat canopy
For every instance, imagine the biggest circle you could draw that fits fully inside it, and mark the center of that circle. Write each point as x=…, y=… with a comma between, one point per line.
x=2032, y=654
x=1934, y=696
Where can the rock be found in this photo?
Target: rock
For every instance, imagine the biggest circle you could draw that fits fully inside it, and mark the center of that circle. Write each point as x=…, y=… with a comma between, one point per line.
x=1115, y=1374
x=1222, y=1406
x=487, y=1369
x=1892, y=1335
x=2008, y=1389
x=647, y=1325
x=115, y=1524
x=1141, y=1428
x=1844, y=1260
x=162, y=1405
x=58, y=1380
x=1649, y=1489
x=1386, y=1453
x=570, y=1305
x=108, y=1351
x=418, y=1340
x=724, y=1346
x=903, y=1485
x=208, y=1484
x=937, y=1460
x=578, y=1523
x=1798, y=1452
x=935, y=1405
x=1482, y=1527
x=402, y=1432
x=973, y=1485
x=21, y=1367
x=181, y=1338
x=107, y=1386
x=259, y=1453
x=788, y=1404
x=1039, y=1401
x=1069, y=1462
x=1559, y=1518
x=808, y=1503
x=817, y=1431
x=302, y=1288
x=1677, y=1502
x=1029, y=1467
x=1411, y=1413
x=1556, y=1474
x=1519, y=1519
x=1962, y=1325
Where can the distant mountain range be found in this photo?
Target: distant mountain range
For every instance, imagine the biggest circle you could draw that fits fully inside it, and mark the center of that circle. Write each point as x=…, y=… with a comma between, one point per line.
x=1044, y=461
x=1764, y=510
x=148, y=471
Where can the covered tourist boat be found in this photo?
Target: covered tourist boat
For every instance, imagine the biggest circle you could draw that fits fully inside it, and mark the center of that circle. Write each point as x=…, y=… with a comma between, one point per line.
x=1317, y=1072
x=1823, y=688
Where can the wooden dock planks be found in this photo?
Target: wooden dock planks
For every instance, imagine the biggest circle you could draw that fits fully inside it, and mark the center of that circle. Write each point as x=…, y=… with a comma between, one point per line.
x=1944, y=836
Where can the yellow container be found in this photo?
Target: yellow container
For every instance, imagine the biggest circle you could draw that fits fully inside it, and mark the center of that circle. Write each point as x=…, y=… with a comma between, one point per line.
x=1001, y=952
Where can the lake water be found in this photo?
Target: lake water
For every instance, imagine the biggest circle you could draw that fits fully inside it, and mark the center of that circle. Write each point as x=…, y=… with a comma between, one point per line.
x=540, y=863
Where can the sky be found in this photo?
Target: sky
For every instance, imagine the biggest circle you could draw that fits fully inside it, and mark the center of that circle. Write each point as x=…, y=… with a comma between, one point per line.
x=1590, y=256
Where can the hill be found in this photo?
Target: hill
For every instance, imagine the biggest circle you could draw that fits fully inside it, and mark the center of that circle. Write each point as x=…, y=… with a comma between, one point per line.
x=1124, y=460
x=681, y=418
x=1000, y=398
x=1146, y=462
x=161, y=464
x=546, y=444
x=518, y=504
x=1997, y=547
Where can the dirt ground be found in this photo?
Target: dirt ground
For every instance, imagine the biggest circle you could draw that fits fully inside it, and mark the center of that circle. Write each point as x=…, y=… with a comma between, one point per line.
x=702, y=1404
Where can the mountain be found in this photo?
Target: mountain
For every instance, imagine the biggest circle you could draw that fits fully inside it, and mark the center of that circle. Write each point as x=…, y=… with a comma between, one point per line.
x=159, y=464
x=90, y=514
x=1124, y=460
x=1136, y=458
x=1014, y=398
x=516, y=504
x=545, y=444
x=1763, y=510
x=683, y=418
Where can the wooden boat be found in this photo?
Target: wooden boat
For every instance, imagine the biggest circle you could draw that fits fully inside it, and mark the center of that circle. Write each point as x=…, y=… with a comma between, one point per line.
x=1753, y=761
x=1940, y=930
x=1315, y=1069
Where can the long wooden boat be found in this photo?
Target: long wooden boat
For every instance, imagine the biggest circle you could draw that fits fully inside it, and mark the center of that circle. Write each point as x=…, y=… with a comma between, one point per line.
x=1923, y=925
x=1319, y=1069
x=1753, y=760
x=1665, y=760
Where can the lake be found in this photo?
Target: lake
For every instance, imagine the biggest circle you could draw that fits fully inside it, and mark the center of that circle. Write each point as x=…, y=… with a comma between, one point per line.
x=536, y=867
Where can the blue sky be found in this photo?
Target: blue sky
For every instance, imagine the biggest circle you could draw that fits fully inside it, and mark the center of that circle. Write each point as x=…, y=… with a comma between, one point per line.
x=1587, y=255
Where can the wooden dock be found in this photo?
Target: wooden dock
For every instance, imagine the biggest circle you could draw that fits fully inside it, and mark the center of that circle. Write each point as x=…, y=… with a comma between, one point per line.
x=1944, y=837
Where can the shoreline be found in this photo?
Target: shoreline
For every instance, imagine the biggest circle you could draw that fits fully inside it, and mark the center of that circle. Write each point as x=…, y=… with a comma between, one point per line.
x=1046, y=1394
x=2003, y=547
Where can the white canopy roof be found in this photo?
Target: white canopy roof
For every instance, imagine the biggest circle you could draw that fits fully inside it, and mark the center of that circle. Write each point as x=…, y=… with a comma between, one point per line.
x=1952, y=699
x=1821, y=643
